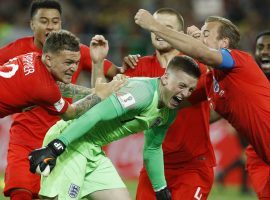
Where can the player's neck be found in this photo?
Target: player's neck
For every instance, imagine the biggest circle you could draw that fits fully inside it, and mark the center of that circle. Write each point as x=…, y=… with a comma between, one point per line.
x=165, y=57
x=160, y=98
x=38, y=44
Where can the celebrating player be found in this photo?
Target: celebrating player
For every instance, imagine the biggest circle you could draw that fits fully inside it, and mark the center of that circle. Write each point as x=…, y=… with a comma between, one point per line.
x=142, y=104
x=257, y=169
x=188, y=153
x=29, y=128
x=236, y=88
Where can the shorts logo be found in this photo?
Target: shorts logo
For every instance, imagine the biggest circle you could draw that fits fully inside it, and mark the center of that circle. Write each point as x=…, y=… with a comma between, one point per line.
x=126, y=100
x=73, y=190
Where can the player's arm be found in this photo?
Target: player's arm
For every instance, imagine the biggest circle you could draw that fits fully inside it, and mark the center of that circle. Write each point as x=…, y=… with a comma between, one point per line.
x=74, y=91
x=153, y=161
x=109, y=109
x=185, y=43
x=100, y=92
x=98, y=50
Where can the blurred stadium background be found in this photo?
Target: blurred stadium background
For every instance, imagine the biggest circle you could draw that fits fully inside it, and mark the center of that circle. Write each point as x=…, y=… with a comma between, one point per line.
x=114, y=19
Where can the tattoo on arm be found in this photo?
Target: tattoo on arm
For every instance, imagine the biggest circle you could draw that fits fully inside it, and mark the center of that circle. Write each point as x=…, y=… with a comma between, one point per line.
x=73, y=91
x=85, y=104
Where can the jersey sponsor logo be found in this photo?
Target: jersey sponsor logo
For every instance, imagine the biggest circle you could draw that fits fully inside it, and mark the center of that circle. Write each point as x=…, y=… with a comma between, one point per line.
x=73, y=190
x=126, y=100
x=156, y=122
x=59, y=104
x=8, y=70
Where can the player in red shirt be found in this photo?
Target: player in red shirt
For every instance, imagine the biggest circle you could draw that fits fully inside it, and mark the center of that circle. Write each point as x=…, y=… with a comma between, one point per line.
x=188, y=153
x=236, y=88
x=259, y=171
x=28, y=129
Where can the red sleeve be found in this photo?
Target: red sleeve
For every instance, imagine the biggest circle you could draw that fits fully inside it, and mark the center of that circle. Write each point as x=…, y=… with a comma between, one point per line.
x=86, y=61
x=199, y=94
x=7, y=52
x=50, y=98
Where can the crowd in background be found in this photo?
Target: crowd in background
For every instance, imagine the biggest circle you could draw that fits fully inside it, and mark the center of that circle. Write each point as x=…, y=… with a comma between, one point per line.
x=114, y=19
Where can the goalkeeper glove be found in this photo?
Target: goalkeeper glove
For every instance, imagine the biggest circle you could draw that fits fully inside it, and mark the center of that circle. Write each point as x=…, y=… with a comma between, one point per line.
x=163, y=194
x=43, y=160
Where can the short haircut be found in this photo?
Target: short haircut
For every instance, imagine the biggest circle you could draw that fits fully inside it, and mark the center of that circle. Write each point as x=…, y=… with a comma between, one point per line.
x=226, y=30
x=49, y=4
x=171, y=11
x=61, y=40
x=186, y=64
x=267, y=32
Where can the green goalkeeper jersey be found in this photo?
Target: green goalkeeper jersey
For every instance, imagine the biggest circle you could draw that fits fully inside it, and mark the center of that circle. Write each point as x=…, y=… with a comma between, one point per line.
x=133, y=109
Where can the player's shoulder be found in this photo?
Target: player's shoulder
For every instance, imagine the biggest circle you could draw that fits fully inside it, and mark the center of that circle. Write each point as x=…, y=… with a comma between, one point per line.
x=241, y=57
x=147, y=59
x=240, y=54
x=24, y=40
x=145, y=86
x=83, y=47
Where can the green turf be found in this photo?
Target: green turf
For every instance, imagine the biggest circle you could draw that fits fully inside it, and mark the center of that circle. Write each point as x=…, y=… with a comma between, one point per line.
x=217, y=193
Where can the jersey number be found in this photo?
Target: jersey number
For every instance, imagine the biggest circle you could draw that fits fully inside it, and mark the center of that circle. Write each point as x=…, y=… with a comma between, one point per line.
x=8, y=70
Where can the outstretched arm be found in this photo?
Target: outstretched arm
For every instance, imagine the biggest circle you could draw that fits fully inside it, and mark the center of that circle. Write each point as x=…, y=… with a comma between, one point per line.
x=184, y=43
x=153, y=156
x=74, y=91
x=100, y=92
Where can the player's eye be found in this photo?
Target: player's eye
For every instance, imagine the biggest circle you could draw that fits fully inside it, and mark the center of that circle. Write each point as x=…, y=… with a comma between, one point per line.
x=55, y=21
x=260, y=47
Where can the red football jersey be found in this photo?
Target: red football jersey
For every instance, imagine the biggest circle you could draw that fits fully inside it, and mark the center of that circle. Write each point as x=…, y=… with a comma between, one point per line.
x=188, y=137
x=20, y=86
x=242, y=95
x=29, y=128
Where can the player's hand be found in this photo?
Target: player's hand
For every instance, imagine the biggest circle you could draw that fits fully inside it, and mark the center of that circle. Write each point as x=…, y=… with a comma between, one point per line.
x=120, y=77
x=98, y=48
x=130, y=61
x=103, y=90
x=145, y=20
x=194, y=31
x=43, y=160
x=163, y=194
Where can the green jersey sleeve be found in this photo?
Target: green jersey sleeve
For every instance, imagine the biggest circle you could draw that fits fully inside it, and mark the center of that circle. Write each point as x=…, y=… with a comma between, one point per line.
x=126, y=104
x=153, y=156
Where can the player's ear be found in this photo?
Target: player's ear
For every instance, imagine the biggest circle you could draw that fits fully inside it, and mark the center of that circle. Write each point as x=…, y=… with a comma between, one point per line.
x=47, y=60
x=32, y=25
x=164, y=79
x=225, y=43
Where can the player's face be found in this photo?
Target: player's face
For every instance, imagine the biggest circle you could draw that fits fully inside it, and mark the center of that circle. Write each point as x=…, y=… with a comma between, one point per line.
x=43, y=22
x=63, y=65
x=210, y=34
x=170, y=21
x=262, y=53
x=178, y=85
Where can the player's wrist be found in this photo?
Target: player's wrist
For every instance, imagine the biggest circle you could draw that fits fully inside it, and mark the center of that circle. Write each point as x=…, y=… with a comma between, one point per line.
x=57, y=147
x=163, y=193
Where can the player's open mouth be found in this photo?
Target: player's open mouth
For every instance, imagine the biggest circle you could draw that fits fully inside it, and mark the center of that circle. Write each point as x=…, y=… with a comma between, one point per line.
x=46, y=34
x=159, y=39
x=265, y=63
x=176, y=100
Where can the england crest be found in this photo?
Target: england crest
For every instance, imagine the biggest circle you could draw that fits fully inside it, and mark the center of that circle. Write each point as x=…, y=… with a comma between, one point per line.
x=73, y=190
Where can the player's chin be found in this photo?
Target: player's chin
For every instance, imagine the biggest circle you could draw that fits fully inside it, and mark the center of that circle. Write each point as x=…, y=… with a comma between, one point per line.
x=173, y=104
x=67, y=79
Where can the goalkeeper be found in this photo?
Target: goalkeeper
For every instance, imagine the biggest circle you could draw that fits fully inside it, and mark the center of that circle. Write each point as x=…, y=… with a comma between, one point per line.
x=82, y=170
